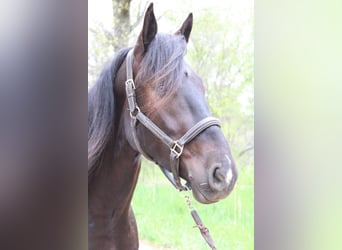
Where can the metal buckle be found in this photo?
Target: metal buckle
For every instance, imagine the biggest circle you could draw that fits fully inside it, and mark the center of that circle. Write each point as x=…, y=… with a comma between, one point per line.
x=130, y=87
x=131, y=82
x=177, y=149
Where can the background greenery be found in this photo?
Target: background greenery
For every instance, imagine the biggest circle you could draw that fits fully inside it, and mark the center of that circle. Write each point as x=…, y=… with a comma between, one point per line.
x=221, y=51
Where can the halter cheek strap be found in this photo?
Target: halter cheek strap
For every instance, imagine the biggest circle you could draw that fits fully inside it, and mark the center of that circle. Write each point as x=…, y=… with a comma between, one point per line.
x=175, y=146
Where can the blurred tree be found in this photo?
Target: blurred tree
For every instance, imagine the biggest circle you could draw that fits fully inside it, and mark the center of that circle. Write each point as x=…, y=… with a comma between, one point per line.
x=106, y=41
x=121, y=17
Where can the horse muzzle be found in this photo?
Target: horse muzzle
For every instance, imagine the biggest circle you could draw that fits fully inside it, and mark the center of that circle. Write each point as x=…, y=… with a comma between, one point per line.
x=220, y=180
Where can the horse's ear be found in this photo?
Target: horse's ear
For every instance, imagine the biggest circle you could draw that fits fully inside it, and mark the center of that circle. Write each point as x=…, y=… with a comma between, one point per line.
x=185, y=30
x=147, y=33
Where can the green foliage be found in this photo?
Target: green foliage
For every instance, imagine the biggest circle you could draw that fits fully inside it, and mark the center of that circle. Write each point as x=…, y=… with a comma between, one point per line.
x=164, y=219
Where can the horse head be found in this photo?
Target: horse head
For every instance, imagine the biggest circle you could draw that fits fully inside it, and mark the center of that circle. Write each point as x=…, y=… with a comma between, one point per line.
x=171, y=96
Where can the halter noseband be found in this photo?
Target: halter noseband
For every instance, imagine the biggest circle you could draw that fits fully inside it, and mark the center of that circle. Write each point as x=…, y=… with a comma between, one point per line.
x=175, y=146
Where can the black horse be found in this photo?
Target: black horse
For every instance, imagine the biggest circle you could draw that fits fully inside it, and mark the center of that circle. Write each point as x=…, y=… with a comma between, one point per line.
x=149, y=101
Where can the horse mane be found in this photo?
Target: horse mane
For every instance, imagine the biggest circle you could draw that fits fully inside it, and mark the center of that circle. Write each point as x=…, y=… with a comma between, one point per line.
x=162, y=68
x=101, y=111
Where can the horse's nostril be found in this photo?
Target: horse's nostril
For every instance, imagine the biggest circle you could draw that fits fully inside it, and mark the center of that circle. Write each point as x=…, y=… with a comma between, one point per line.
x=217, y=181
x=219, y=175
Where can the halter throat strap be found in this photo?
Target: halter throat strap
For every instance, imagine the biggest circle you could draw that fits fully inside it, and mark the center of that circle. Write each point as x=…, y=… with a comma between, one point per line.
x=175, y=146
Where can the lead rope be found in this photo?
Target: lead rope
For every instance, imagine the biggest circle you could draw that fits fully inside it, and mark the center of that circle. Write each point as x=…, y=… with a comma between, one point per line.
x=203, y=229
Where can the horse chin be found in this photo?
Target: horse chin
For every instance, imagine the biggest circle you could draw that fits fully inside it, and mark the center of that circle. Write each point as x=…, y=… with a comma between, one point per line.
x=206, y=195
x=202, y=198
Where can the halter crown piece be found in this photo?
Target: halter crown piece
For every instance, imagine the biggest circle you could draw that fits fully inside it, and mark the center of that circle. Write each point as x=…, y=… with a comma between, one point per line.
x=175, y=146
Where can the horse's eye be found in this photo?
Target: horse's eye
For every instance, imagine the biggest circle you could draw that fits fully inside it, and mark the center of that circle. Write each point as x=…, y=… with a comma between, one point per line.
x=186, y=73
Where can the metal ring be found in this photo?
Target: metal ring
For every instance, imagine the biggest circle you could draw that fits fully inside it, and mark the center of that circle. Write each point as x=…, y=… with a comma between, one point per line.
x=134, y=113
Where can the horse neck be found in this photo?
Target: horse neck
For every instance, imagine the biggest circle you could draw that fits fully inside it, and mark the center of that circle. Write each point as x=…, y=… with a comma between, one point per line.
x=110, y=217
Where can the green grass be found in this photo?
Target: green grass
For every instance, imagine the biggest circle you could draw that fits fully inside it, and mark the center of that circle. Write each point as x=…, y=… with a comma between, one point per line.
x=164, y=219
